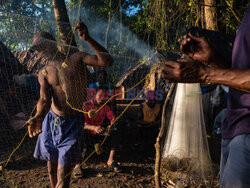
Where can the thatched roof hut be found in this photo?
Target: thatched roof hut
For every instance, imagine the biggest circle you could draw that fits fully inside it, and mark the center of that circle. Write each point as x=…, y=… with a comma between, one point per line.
x=135, y=74
x=33, y=61
x=9, y=66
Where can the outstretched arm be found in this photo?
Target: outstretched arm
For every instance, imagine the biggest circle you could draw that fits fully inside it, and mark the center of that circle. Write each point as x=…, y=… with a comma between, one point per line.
x=235, y=78
x=190, y=71
x=102, y=57
x=35, y=123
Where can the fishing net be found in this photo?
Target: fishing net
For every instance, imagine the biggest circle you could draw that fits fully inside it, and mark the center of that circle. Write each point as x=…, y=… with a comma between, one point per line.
x=19, y=89
x=186, y=149
x=135, y=70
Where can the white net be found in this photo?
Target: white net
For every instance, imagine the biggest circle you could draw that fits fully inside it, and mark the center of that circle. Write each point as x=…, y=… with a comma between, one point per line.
x=186, y=149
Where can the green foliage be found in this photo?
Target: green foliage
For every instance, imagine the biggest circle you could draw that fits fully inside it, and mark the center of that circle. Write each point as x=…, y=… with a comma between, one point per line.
x=159, y=23
x=19, y=20
x=227, y=21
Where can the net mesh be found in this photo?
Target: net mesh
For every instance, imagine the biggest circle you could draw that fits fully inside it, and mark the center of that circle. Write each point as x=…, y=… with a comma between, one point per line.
x=186, y=149
x=19, y=92
x=135, y=70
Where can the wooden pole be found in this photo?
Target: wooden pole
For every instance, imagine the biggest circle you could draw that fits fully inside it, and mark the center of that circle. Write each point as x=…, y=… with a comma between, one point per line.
x=158, y=144
x=63, y=25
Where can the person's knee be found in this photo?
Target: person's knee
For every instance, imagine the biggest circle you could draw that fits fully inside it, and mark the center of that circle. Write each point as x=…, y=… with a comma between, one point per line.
x=236, y=165
x=240, y=144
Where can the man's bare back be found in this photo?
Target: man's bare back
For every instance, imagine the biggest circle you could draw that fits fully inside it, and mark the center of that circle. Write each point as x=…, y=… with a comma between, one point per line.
x=67, y=81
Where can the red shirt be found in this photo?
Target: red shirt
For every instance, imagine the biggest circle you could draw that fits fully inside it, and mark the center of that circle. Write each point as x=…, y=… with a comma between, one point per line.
x=100, y=115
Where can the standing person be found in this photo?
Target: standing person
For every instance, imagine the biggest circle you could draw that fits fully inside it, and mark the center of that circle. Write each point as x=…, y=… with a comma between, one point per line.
x=235, y=158
x=57, y=124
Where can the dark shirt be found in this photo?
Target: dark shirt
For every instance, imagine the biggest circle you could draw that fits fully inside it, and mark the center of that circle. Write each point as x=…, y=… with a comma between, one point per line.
x=237, y=121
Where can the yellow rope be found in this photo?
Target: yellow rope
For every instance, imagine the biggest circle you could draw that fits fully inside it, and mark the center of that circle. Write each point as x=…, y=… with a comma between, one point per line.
x=112, y=123
x=20, y=141
x=38, y=101
x=15, y=149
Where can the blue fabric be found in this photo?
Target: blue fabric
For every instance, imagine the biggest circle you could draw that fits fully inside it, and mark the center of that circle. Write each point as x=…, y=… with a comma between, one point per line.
x=218, y=121
x=235, y=162
x=60, y=139
x=96, y=85
x=237, y=121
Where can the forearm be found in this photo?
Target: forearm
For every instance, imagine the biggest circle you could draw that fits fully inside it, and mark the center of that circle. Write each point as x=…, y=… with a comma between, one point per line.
x=89, y=127
x=43, y=107
x=102, y=54
x=238, y=79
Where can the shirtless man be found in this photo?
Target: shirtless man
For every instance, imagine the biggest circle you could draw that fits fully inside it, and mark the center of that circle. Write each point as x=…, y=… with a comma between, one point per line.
x=57, y=124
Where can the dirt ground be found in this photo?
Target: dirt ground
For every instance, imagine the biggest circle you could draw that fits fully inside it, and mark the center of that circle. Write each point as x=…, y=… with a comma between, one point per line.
x=137, y=163
x=137, y=172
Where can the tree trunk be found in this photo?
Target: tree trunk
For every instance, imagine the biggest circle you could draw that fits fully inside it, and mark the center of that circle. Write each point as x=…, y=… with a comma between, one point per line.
x=202, y=18
x=210, y=13
x=63, y=23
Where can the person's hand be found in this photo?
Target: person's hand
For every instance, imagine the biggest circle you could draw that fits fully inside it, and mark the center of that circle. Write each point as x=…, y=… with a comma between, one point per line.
x=99, y=129
x=109, y=126
x=34, y=125
x=82, y=30
x=184, y=71
x=203, y=51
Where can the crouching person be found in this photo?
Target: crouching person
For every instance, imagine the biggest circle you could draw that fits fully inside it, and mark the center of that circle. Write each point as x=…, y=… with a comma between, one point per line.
x=149, y=122
x=96, y=130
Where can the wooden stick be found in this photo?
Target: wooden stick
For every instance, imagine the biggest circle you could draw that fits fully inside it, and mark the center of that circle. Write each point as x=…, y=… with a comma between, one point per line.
x=158, y=144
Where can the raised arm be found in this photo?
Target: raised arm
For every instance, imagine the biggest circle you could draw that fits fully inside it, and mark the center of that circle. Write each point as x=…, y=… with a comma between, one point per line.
x=43, y=106
x=102, y=57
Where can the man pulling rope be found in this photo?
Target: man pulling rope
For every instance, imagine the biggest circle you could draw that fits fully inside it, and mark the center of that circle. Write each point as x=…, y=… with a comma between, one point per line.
x=57, y=124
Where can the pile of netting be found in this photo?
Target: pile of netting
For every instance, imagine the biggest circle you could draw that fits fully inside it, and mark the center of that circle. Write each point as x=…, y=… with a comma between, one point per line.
x=185, y=151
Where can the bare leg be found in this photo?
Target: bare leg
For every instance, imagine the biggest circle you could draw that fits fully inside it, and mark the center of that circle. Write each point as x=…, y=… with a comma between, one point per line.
x=62, y=180
x=52, y=169
x=111, y=157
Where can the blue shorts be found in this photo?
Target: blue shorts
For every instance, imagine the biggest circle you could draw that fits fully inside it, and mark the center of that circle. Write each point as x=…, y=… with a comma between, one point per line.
x=60, y=140
x=235, y=162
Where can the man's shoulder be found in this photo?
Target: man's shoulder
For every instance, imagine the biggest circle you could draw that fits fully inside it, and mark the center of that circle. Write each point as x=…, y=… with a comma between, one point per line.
x=48, y=68
x=48, y=72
